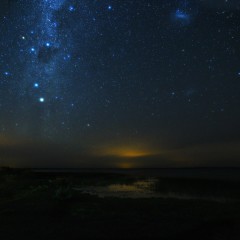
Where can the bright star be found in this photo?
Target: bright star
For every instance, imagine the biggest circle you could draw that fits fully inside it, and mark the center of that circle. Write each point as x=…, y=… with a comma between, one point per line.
x=41, y=100
x=36, y=85
x=71, y=9
x=6, y=73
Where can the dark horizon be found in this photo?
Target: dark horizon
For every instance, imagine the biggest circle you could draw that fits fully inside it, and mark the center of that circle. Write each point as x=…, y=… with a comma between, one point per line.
x=41, y=154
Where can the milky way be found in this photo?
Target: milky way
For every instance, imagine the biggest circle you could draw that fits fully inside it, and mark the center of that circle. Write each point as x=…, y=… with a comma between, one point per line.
x=44, y=53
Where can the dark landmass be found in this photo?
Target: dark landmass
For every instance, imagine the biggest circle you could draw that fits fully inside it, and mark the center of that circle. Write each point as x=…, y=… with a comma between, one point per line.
x=47, y=205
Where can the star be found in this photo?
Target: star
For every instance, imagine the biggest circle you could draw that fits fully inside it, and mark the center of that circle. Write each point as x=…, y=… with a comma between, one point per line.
x=71, y=9
x=41, y=100
x=6, y=73
x=33, y=50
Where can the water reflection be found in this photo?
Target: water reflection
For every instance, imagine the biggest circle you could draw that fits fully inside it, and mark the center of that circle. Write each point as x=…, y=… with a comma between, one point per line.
x=139, y=189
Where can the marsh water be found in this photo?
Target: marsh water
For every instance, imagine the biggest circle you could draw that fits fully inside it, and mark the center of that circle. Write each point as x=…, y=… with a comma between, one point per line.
x=137, y=189
x=205, y=184
x=140, y=189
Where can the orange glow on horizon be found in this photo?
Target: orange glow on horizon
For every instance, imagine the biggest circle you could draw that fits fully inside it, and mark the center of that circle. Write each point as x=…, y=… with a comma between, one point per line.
x=6, y=141
x=126, y=152
x=126, y=165
x=132, y=153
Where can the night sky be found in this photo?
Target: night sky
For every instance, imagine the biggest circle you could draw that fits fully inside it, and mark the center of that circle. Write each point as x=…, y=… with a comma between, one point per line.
x=119, y=83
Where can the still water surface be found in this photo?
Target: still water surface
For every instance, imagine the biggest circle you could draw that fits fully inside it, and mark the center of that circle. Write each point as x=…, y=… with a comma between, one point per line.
x=139, y=189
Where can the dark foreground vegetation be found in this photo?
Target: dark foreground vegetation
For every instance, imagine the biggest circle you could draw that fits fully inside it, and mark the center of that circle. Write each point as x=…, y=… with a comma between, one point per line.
x=47, y=206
